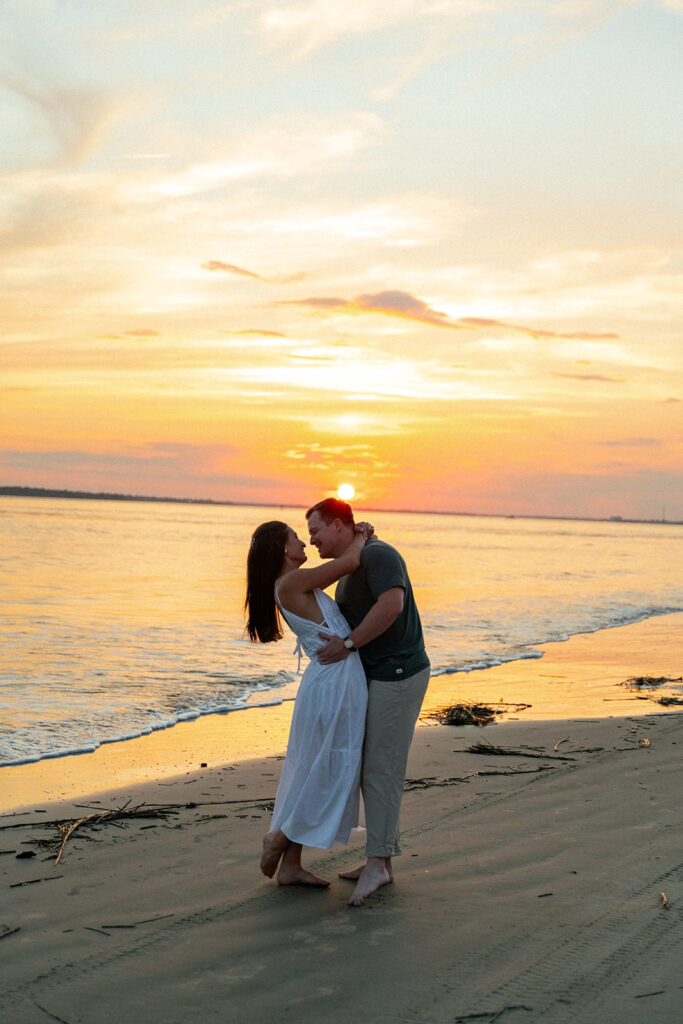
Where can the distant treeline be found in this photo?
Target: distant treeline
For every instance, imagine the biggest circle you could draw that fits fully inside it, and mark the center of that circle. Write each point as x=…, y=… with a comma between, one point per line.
x=44, y=492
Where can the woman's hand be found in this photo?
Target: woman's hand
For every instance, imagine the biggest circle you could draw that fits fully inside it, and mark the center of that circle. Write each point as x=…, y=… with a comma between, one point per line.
x=367, y=529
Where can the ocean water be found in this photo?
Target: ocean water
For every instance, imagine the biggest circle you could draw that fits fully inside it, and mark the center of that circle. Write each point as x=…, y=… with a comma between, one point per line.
x=120, y=618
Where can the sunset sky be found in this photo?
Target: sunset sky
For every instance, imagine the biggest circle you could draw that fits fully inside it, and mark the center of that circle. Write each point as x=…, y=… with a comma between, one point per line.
x=431, y=248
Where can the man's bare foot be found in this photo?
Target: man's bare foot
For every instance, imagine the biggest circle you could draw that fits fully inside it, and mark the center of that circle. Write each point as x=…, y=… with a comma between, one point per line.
x=274, y=845
x=372, y=877
x=299, y=876
x=354, y=874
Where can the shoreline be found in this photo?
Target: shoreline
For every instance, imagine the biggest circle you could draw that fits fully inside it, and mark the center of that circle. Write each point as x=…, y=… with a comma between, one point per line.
x=576, y=678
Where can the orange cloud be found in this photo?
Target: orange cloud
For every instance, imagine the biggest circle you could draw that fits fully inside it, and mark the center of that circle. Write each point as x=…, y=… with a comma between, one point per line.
x=230, y=268
x=403, y=304
x=259, y=332
x=391, y=303
x=475, y=321
x=633, y=442
x=591, y=376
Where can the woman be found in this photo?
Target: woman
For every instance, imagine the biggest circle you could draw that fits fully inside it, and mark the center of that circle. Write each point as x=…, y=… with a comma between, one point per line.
x=317, y=799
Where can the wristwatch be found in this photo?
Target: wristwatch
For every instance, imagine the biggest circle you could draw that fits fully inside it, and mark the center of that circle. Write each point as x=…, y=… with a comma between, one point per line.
x=349, y=644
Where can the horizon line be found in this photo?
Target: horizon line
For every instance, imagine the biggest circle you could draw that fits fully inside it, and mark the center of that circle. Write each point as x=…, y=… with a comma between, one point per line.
x=68, y=493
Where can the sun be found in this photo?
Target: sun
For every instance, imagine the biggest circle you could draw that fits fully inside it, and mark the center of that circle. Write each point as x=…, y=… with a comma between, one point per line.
x=346, y=492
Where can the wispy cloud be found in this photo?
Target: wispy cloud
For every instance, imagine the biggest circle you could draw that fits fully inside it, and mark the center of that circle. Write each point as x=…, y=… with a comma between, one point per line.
x=257, y=332
x=403, y=304
x=536, y=332
x=318, y=456
x=390, y=303
x=68, y=121
x=597, y=377
x=633, y=442
x=296, y=145
x=435, y=31
x=230, y=268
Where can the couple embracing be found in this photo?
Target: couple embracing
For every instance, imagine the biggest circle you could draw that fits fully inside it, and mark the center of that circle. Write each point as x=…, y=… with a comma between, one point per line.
x=359, y=697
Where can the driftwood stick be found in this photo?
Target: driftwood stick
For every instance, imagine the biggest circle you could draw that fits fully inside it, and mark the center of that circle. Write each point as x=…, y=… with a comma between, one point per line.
x=517, y=1007
x=490, y=1015
x=51, y=1015
x=487, y=748
x=134, y=924
x=432, y=780
x=34, y=881
x=119, y=816
x=147, y=811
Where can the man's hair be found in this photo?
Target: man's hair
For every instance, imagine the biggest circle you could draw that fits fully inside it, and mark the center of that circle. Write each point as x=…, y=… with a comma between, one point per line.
x=330, y=509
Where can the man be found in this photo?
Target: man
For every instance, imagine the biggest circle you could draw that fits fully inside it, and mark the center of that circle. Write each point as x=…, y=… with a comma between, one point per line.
x=377, y=602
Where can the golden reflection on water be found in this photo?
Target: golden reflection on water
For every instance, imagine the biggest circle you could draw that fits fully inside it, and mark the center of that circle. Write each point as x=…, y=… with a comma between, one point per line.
x=118, y=614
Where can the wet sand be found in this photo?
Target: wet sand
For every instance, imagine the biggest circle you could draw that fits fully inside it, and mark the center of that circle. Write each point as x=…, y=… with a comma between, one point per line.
x=531, y=889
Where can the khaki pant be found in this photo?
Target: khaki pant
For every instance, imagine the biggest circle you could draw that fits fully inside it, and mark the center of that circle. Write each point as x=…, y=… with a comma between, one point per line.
x=393, y=708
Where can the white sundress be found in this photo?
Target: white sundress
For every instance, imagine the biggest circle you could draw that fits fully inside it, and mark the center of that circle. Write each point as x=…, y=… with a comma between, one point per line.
x=318, y=796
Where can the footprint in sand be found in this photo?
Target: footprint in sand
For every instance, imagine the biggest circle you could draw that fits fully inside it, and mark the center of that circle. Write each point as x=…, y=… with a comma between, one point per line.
x=339, y=928
x=380, y=934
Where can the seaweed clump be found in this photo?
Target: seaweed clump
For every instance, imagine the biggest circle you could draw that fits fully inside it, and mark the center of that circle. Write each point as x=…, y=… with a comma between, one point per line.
x=649, y=682
x=473, y=714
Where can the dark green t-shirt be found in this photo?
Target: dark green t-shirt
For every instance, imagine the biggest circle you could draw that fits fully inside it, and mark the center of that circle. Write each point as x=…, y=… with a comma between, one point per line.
x=399, y=652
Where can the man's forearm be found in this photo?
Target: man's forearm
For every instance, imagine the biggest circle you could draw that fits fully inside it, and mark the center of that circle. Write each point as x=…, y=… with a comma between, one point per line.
x=383, y=614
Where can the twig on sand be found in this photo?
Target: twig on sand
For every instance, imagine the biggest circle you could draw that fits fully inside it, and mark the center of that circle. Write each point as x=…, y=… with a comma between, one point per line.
x=134, y=924
x=67, y=828
x=51, y=1015
x=117, y=817
x=8, y=931
x=522, y=771
x=434, y=780
x=490, y=1015
x=488, y=748
x=262, y=802
x=34, y=881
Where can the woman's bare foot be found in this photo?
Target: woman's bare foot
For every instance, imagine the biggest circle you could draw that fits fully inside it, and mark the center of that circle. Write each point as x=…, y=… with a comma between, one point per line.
x=274, y=845
x=373, y=876
x=354, y=874
x=299, y=876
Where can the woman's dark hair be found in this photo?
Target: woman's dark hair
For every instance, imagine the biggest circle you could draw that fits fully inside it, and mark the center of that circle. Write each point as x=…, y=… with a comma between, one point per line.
x=264, y=564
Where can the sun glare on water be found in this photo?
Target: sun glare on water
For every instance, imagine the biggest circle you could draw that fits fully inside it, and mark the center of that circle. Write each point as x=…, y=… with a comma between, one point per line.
x=346, y=492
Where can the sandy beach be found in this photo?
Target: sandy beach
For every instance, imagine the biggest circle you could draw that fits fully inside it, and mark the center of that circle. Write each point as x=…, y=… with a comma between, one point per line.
x=531, y=888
